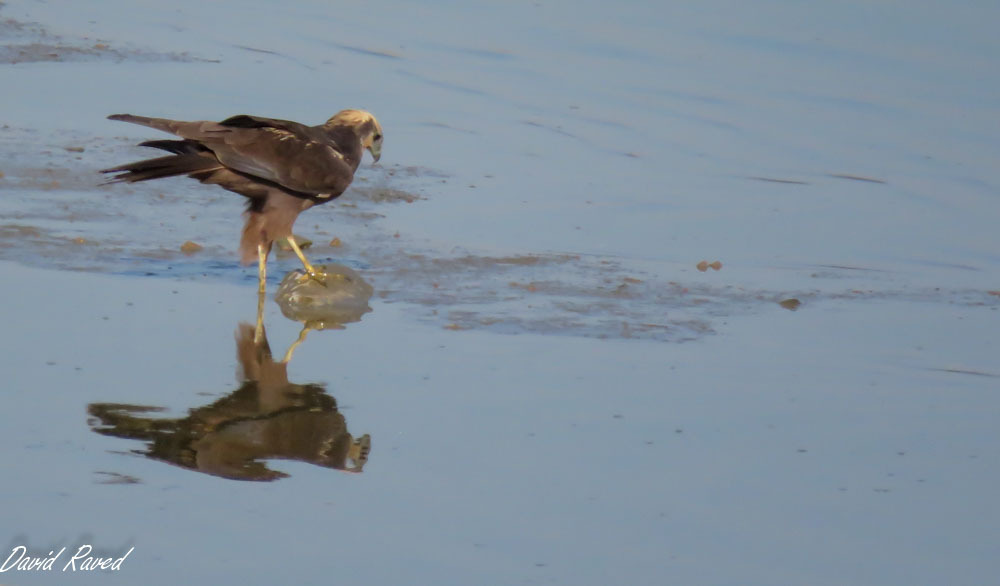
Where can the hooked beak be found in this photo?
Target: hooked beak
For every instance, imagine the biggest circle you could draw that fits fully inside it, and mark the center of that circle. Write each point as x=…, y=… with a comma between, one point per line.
x=376, y=151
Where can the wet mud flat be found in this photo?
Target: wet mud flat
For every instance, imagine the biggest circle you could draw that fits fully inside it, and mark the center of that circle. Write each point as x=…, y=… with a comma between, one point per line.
x=56, y=213
x=25, y=41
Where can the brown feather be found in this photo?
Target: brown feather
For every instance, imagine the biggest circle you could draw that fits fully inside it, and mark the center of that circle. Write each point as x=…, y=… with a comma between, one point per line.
x=160, y=167
x=281, y=166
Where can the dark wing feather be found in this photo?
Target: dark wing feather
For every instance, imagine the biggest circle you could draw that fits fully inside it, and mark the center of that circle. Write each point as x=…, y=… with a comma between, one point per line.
x=300, y=158
x=169, y=166
x=295, y=156
x=247, y=121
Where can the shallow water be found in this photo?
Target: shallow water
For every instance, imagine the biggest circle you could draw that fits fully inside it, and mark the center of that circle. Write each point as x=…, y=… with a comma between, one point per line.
x=553, y=390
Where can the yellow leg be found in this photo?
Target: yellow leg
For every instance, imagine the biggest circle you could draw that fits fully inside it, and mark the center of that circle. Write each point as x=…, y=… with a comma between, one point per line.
x=261, y=269
x=291, y=349
x=258, y=332
x=311, y=273
x=302, y=257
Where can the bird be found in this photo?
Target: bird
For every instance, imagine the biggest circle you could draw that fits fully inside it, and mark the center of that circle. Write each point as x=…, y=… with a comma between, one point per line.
x=267, y=418
x=282, y=167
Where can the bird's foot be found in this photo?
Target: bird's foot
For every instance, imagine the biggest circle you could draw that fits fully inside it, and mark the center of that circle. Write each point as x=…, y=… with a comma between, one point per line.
x=313, y=275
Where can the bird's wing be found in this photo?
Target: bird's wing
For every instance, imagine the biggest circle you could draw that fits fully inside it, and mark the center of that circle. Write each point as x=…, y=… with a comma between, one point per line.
x=293, y=155
x=247, y=121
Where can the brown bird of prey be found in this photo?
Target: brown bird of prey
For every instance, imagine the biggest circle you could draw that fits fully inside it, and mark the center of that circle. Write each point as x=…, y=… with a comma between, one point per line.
x=281, y=167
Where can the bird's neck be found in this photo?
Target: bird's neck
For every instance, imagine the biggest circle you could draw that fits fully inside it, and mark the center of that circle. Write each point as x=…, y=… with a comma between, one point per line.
x=348, y=143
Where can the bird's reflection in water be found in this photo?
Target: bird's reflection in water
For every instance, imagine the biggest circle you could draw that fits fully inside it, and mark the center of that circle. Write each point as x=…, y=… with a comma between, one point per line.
x=266, y=418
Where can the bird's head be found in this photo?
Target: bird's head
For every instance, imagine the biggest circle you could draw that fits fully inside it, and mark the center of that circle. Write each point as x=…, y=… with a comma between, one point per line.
x=365, y=126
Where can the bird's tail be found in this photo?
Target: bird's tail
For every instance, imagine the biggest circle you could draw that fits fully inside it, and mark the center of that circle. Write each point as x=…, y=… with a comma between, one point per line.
x=164, y=124
x=189, y=157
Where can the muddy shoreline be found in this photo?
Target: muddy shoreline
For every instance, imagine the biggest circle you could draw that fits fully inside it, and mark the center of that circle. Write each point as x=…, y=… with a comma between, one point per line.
x=56, y=214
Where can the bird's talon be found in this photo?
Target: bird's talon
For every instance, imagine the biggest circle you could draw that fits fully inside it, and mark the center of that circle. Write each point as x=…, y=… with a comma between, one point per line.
x=312, y=275
x=278, y=147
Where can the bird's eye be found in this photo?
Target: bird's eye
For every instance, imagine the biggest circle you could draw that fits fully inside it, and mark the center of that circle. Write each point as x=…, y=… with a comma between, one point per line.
x=377, y=136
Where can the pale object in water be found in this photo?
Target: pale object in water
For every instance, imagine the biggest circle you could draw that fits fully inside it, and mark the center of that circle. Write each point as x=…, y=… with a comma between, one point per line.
x=336, y=295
